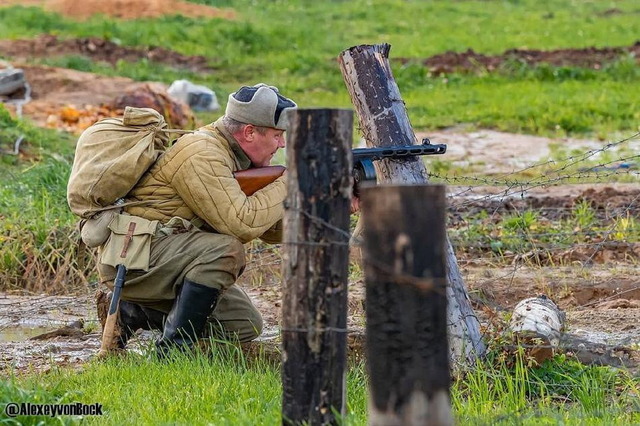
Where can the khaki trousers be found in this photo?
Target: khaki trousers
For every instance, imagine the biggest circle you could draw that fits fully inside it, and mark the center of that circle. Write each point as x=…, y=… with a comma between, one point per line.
x=213, y=260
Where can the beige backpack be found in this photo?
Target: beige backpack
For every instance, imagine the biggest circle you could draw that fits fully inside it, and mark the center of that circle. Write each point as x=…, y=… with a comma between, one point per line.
x=112, y=155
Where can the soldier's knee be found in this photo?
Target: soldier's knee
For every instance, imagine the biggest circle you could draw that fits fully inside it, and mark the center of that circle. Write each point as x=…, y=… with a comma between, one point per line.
x=230, y=248
x=220, y=253
x=235, y=249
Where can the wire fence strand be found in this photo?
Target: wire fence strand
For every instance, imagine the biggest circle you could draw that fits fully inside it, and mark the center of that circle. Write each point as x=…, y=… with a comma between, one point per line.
x=513, y=238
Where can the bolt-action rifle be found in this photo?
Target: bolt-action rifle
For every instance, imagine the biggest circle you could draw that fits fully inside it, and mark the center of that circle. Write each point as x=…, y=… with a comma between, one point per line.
x=254, y=179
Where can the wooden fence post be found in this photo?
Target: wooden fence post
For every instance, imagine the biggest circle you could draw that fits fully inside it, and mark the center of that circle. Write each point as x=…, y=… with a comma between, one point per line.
x=316, y=260
x=405, y=278
x=384, y=122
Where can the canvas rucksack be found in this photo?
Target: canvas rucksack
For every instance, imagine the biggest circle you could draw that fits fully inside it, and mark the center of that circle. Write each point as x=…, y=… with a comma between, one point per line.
x=112, y=155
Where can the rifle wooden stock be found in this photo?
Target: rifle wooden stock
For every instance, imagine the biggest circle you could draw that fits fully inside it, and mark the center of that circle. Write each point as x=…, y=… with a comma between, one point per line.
x=252, y=180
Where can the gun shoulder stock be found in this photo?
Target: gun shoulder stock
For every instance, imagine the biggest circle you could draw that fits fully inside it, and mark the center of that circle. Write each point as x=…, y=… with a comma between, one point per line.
x=252, y=180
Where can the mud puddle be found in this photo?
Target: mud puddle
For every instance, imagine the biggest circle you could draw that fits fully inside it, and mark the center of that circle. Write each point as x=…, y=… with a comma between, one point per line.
x=40, y=332
x=42, y=311
x=19, y=334
x=30, y=356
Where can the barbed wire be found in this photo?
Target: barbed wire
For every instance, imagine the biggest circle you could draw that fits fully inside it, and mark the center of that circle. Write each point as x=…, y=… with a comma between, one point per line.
x=506, y=186
x=513, y=182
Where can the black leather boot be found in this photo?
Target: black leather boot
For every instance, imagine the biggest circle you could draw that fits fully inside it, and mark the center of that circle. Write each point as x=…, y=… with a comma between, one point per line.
x=187, y=319
x=133, y=316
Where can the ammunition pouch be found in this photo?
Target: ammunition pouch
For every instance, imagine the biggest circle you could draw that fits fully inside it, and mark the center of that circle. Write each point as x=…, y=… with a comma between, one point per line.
x=129, y=242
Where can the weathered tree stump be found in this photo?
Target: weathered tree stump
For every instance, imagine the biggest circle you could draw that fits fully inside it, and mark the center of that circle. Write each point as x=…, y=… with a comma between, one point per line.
x=316, y=234
x=384, y=122
x=537, y=324
x=405, y=279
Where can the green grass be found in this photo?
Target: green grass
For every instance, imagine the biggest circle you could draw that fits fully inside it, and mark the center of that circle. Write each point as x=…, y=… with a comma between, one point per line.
x=529, y=106
x=560, y=391
x=37, y=250
x=294, y=44
x=40, y=142
x=225, y=390
x=416, y=28
x=230, y=390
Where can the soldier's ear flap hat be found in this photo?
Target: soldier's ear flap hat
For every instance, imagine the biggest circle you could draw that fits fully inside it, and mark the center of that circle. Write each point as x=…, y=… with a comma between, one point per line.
x=260, y=105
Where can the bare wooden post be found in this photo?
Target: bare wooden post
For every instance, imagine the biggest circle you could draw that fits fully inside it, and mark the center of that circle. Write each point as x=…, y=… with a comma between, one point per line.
x=316, y=228
x=405, y=278
x=384, y=122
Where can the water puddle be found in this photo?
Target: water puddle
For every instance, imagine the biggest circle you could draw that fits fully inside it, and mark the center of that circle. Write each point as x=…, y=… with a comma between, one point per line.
x=20, y=334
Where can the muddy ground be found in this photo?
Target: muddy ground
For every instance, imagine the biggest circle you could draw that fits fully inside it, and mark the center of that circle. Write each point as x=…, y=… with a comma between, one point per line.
x=596, y=285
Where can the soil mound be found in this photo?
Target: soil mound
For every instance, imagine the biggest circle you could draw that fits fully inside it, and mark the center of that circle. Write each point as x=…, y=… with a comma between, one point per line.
x=98, y=50
x=606, y=200
x=73, y=100
x=590, y=57
x=126, y=9
x=448, y=62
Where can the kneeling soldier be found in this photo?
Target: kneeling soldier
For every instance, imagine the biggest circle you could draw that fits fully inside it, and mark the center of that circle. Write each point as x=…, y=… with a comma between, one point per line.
x=203, y=219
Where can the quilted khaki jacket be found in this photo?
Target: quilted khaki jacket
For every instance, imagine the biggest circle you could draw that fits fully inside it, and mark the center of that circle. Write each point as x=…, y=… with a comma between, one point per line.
x=194, y=180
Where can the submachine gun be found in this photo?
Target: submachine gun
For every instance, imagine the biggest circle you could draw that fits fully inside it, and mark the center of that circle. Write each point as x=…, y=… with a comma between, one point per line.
x=254, y=179
x=363, y=158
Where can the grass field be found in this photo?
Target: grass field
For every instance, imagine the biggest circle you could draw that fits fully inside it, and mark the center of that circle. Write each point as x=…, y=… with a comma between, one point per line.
x=294, y=44
x=229, y=390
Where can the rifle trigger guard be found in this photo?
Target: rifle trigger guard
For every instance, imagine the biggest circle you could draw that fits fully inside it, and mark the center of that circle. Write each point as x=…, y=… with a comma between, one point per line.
x=363, y=171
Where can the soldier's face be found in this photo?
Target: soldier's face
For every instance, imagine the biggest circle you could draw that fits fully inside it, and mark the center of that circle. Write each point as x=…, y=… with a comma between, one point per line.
x=265, y=142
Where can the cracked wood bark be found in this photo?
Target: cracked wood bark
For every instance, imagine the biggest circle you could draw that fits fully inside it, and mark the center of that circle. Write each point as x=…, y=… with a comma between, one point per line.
x=384, y=122
x=316, y=261
x=405, y=279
